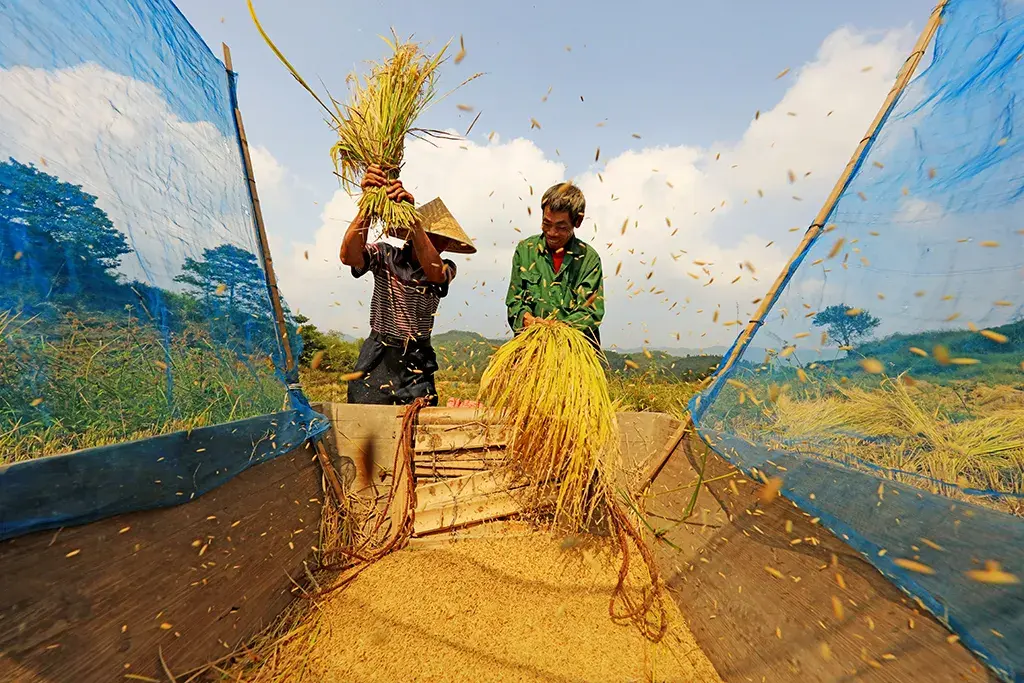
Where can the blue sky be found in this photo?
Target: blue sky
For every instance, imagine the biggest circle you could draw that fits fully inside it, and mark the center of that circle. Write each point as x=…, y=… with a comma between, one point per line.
x=694, y=205
x=686, y=76
x=675, y=72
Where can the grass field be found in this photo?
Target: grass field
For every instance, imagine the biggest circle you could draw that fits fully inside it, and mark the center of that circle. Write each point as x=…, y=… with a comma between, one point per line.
x=968, y=431
x=80, y=382
x=84, y=382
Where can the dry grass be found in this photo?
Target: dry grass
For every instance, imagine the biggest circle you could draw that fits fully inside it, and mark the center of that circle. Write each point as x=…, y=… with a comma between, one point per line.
x=520, y=607
x=972, y=438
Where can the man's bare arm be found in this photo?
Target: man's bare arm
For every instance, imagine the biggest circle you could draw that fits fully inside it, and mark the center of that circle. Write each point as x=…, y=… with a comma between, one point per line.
x=353, y=245
x=427, y=255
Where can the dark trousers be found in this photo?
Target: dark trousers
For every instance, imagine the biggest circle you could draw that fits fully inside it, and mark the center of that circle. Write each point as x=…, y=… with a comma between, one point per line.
x=395, y=372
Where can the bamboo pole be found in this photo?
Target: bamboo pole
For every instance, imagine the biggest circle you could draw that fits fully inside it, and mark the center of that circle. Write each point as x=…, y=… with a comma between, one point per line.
x=902, y=79
x=268, y=262
x=658, y=464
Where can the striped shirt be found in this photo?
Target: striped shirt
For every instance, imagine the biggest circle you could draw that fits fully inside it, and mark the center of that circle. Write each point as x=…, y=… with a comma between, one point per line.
x=404, y=301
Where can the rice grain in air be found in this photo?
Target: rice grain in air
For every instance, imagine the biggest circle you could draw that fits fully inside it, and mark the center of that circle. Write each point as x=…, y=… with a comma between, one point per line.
x=994, y=336
x=913, y=566
x=461, y=54
x=872, y=365
x=993, y=574
x=770, y=490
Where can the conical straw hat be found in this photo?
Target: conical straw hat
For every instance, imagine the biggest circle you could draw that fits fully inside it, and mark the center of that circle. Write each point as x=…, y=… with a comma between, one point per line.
x=438, y=220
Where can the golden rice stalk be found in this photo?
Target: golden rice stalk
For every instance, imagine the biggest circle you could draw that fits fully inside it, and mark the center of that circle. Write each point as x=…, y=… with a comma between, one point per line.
x=373, y=126
x=549, y=389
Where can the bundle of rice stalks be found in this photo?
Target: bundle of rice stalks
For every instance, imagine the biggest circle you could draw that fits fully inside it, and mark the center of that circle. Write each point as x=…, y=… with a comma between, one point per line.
x=373, y=126
x=548, y=388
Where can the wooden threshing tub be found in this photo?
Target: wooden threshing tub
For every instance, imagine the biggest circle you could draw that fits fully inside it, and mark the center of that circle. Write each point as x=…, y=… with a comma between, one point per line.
x=184, y=585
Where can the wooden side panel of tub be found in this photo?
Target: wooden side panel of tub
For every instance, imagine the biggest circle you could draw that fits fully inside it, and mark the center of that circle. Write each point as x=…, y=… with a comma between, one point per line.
x=760, y=602
x=96, y=602
x=358, y=428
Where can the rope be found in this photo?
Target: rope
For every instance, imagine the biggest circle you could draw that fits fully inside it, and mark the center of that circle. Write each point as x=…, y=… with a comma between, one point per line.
x=401, y=504
x=653, y=597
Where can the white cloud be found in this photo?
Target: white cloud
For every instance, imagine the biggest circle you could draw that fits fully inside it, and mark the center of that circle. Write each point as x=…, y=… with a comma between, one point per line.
x=915, y=212
x=174, y=187
x=812, y=130
x=268, y=171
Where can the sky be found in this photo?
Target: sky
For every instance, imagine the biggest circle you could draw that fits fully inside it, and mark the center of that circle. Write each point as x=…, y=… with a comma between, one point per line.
x=705, y=144
x=673, y=83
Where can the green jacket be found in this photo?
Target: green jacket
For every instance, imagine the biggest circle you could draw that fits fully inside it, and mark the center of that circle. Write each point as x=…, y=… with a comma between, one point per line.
x=535, y=287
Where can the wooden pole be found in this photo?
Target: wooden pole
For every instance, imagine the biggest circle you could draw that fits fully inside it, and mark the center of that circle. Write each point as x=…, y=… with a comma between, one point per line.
x=268, y=262
x=658, y=464
x=902, y=79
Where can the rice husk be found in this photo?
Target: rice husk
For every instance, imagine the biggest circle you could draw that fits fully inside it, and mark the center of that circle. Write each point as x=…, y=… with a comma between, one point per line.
x=523, y=607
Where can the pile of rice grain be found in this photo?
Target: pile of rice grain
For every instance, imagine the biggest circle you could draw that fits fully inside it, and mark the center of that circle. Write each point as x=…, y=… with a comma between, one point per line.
x=523, y=607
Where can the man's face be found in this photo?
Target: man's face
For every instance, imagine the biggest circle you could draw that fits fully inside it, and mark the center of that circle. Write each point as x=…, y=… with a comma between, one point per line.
x=557, y=228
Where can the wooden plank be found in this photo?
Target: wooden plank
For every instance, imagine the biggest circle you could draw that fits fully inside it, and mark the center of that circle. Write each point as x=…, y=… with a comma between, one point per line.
x=90, y=603
x=441, y=493
x=716, y=573
x=442, y=472
x=490, y=454
x=440, y=438
x=465, y=512
x=456, y=463
x=453, y=416
x=363, y=436
x=469, y=500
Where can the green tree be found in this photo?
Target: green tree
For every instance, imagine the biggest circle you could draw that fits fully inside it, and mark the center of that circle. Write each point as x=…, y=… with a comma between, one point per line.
x=230, y=285
x=232, y=275
x=338, y=355
x=312, y=339
x=52, y=234
x=845, y=325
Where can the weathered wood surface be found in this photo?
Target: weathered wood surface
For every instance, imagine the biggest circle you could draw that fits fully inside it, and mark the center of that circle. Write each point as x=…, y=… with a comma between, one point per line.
x=470, y=499
x=456, y=450
x=364, y=432
x=96, y=602
x=756, y=584
x=443, y=438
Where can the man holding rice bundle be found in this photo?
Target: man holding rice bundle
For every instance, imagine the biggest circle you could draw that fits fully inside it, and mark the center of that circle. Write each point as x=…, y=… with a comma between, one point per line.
x=555, y=274
x=397, y=363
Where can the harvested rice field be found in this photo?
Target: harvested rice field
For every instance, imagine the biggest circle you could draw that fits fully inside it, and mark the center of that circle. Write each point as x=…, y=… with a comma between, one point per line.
x=512, y=605
x=923, y=434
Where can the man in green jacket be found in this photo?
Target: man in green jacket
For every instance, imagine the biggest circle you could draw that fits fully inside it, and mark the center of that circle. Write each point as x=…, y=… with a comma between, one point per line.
x=555, y=274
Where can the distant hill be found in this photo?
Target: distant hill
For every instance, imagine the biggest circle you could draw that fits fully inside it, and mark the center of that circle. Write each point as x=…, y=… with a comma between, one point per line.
x=464, y=355
x=684, y=351
x=997, y=360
